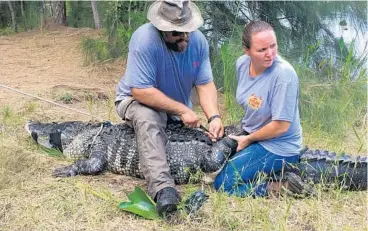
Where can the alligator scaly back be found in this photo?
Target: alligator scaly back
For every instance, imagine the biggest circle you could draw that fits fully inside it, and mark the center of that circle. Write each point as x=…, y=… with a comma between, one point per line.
x=333, y=170
x=102, y=146
x=114, y=148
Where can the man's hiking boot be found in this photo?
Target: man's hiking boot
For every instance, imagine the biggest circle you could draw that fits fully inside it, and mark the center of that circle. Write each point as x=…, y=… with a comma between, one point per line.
x=167, y=200
x=296, y=185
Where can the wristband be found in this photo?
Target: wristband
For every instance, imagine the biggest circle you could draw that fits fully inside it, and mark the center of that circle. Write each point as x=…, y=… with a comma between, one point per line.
x=213, y=117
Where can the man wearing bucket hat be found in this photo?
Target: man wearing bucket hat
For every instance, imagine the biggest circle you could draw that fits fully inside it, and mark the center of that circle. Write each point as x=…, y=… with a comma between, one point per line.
x=167, y=58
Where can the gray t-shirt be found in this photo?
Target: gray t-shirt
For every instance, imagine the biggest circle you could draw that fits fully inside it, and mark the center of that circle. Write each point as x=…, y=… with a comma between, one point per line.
x=273, y=95
x=151, y=64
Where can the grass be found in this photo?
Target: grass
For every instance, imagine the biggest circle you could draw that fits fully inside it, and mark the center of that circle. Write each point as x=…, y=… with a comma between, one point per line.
x=334, y=108
x=99, y=50
x=6, y=31
x=31, y=199
x=66, y=98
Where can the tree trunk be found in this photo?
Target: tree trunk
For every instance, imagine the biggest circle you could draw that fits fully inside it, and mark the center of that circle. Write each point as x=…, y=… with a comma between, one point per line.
x=129, y=9
x=96, y=16
x=22, y=8
x=42, y=15
x=14, y=22
x=24, y=17
x=59, y=12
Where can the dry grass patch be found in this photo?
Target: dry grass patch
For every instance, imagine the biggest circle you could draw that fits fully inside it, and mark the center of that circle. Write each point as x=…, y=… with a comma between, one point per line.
x=31, y=199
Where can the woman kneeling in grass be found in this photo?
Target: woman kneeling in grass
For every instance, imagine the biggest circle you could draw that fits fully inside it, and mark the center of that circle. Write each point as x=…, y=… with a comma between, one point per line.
x=268, y=89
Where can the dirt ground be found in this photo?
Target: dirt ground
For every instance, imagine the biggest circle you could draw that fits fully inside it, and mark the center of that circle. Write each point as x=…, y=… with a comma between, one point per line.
x=50, y=65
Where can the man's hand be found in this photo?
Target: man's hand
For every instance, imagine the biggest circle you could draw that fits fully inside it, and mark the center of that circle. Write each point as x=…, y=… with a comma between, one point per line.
x=190, y=119
x=243, y=141
x=216, y=129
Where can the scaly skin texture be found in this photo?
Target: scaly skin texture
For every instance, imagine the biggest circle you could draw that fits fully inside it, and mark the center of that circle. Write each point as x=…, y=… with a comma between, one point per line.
x=343, y=171
x=102, y=146
x=98, y=147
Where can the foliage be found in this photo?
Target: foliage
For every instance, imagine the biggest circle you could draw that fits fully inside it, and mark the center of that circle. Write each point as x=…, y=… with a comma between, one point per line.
x=52, y=151
x=141, y=204
x=229, y=53
x=79, y=14
x=118, y=28
x=330, y=108
x=97, y=50
x=6, y=112
x=66, y=98
x=94, y=50
x=6, y=31
x=27, y=15
x=298, y=25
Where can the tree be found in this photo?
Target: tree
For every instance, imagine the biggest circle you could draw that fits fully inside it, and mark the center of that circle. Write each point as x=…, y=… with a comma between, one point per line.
x=96, y=16
x=59, y=12
x=12, y=12
x=301, y=27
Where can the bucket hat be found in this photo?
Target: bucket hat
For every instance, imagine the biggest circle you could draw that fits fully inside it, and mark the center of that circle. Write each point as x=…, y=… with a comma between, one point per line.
x=175, y=15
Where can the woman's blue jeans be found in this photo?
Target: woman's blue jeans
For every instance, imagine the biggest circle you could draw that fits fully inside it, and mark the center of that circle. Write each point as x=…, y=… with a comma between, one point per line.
x=246, y=172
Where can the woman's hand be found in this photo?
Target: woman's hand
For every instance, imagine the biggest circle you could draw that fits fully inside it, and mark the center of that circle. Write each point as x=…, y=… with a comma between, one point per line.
x=243, y=141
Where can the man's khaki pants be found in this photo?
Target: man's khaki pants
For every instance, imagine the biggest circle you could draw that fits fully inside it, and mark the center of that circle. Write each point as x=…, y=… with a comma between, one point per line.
x=149, y=126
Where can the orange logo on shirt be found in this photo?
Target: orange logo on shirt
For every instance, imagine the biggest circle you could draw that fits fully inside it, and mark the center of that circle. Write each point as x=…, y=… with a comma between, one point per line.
x=255, y=102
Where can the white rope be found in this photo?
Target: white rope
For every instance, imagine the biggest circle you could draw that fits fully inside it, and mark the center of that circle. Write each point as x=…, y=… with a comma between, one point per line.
x=95, y=137
x=49, y=101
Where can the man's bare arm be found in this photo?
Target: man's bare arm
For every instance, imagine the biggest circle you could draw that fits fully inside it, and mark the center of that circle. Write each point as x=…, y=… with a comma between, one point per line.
x=208, y=99
x=154, y=98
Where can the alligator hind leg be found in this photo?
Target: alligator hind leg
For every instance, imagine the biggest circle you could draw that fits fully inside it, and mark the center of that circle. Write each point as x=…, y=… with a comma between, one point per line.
x=92, y=166
x=67, y=171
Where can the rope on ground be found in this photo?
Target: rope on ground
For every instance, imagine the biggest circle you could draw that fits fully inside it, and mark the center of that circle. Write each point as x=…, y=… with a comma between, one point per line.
x=51, y=102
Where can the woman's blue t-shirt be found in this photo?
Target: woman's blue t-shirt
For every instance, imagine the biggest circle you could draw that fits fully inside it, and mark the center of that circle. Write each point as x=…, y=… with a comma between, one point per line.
x=273, y=95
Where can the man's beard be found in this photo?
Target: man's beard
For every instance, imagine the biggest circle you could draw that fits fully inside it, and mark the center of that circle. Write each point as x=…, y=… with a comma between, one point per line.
x=175, y=46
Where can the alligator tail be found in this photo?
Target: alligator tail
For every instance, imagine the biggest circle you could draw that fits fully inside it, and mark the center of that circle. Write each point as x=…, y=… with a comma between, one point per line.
x=328, y=168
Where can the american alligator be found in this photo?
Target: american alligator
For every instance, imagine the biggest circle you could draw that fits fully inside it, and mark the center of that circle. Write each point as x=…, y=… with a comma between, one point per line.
x=102, y=146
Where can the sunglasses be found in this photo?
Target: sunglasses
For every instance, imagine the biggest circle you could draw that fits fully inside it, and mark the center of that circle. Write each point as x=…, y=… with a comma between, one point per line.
x=178, y=33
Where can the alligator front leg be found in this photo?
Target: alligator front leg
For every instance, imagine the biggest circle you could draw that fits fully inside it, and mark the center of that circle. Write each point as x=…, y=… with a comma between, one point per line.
x=92, y=166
